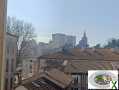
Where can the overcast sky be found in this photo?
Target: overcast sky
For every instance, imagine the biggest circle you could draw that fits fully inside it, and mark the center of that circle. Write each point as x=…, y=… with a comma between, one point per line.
x=99, y=18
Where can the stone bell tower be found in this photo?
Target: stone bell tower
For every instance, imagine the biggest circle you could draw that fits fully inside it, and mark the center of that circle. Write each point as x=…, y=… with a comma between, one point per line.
x=83, y=43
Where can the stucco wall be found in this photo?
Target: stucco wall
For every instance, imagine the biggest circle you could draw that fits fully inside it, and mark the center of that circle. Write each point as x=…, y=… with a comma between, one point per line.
x=2, y=44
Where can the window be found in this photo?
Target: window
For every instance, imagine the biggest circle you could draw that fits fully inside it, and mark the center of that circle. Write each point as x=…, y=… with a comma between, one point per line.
x=30, y=60
x=77, y=79
x=7, y=65
x=13, y=50
x=12, y=65
x=30, y=68
x=6, y=83
x=11, y=83
x=86, y=79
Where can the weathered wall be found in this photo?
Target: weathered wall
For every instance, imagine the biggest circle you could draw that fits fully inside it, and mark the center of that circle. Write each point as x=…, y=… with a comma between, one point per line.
x=2, y=40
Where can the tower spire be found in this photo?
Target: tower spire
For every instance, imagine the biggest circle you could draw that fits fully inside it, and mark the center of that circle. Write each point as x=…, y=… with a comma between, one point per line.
x=83, y=43
x=84, y=35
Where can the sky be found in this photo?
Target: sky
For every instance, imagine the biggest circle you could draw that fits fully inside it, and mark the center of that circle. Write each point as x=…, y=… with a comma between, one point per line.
x=99, y=18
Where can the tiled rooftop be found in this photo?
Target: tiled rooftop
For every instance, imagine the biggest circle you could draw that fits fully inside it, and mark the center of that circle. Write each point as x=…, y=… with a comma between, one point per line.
x=84, y=54
x=58, y=77
x=84, y=66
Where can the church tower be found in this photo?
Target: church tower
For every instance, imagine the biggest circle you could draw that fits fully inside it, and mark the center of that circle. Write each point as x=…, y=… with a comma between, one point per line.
x=83, y=43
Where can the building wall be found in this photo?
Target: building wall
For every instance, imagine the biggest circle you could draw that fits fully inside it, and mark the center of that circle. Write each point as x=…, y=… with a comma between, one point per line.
x=42, y=65
x=30, y=52
x=3, y=15
x=11, y=51
x=115, y=65
x=59, y=39
x=71, y=40
x=43, y=48
x=56, y=44
x=62, y=39
x=29, y=67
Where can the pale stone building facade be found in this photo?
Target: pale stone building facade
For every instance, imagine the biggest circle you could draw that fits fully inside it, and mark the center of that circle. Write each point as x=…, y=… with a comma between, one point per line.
x=30, y=52
x=3, y=15
x=61, y=40
x=57, y=43
x=11, y=51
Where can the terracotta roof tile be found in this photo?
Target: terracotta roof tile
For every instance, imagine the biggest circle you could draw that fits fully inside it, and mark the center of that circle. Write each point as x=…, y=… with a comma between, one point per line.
x=89, y=53
x=57, y=77
x=82, y=66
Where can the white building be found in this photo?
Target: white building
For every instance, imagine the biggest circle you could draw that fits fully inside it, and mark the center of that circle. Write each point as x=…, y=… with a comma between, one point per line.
x=71, y=40
x=60, y=40
x=43, y=48
x=11, y=51
x=30, y=52
x=57, y=43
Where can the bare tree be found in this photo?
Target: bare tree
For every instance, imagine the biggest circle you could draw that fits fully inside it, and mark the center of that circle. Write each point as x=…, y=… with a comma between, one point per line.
x=24, y=31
